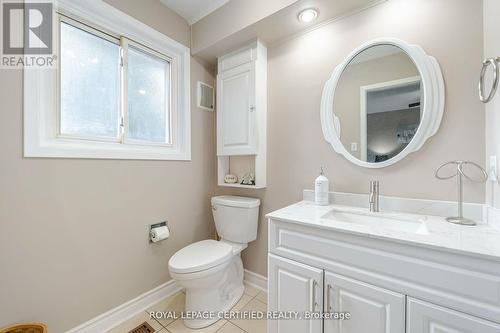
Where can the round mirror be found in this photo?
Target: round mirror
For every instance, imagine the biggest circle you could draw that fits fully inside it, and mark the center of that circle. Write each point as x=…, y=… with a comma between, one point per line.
x=382, y=103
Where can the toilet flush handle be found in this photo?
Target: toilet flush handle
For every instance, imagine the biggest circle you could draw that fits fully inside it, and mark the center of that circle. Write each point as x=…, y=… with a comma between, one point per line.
x=214, y=207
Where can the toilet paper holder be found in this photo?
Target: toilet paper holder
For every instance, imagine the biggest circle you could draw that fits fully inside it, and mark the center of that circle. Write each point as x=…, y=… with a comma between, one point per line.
x=154, y=226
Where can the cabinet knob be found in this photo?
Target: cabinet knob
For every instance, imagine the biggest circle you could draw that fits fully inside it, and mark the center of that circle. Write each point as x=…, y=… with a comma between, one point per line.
x=252, y=108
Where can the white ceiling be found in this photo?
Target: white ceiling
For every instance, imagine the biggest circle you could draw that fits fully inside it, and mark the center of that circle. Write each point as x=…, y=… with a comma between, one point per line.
x=284, y=24
x=194, y=10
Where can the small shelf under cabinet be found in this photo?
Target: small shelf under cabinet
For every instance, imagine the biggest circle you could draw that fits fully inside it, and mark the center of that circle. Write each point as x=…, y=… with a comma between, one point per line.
x=238, y=166
x=255, y=187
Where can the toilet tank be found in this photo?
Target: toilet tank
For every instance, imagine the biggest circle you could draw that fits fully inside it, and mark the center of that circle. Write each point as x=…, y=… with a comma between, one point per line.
x=236, y=218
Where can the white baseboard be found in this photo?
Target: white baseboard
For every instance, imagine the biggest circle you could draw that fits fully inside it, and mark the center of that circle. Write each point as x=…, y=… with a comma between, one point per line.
x=121, y=313
x=255, y=280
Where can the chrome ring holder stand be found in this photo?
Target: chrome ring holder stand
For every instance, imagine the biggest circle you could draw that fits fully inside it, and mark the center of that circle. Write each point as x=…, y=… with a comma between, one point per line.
x=460, y=219
x=486, y=63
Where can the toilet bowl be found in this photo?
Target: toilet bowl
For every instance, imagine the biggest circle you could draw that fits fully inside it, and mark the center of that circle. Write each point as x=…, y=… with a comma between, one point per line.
x=217, y=287
x=212, y=271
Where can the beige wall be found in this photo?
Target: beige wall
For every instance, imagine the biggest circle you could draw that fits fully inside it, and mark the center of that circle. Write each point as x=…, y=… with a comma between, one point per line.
x=74, y=233
x=492, y=49
x=450, y=30
x=157, y=16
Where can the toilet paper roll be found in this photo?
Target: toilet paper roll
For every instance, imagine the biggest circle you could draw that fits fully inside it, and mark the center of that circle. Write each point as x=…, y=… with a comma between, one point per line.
x=158, y=234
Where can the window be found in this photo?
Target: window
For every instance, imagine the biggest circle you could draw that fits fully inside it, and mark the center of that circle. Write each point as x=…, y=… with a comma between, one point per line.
x=89, y=84
x=91, y=68
x=120, y=91
x=148, y=93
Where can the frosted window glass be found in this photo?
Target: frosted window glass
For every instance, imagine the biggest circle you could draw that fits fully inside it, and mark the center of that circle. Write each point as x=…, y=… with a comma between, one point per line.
x=148, y=97
x=90, y=84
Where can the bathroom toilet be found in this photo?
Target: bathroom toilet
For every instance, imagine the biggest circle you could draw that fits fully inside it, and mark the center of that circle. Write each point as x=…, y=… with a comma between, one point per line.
x=212, y=271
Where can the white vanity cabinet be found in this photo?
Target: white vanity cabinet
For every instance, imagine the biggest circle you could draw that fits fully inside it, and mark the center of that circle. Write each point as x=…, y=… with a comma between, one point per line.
x=386, y=286
x=381, y=310
x=425, y=317
x=296, y=287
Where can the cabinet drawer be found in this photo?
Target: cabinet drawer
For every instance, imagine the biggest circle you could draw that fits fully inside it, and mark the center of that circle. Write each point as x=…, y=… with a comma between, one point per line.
x=425, y=317
x=463, y=283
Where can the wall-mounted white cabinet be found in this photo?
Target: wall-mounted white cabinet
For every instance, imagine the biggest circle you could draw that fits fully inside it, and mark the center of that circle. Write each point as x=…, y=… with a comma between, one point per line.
x=242, y=111
x=236, y=118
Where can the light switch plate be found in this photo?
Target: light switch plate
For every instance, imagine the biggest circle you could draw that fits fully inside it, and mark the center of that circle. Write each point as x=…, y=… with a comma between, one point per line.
x=493, y=174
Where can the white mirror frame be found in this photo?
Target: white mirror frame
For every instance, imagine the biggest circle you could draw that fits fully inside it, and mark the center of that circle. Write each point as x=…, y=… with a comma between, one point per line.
x=433, y=105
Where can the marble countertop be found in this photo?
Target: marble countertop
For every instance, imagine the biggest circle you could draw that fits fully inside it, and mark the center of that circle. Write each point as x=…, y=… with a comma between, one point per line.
x=481, y=240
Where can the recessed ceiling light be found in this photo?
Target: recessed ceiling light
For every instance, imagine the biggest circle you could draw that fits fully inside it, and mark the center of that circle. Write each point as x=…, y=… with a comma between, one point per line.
x=308, y=15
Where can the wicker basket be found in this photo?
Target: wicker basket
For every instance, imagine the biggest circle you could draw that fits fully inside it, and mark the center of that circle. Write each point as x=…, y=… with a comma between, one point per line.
x=25, y=328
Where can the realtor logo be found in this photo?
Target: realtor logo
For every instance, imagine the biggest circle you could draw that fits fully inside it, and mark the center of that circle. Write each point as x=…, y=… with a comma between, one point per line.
x=27, y=29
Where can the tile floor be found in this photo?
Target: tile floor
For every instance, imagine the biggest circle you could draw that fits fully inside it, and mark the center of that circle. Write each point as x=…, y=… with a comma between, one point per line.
x=253, y=299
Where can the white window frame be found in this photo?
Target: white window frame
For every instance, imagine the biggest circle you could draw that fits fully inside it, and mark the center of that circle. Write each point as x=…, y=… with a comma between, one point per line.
x=41, y=97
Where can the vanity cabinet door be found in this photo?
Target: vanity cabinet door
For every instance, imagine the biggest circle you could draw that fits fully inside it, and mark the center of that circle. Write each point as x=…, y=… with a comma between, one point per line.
x=294, y=287
x=372, y=309
x=236, y=119
x=425, y=317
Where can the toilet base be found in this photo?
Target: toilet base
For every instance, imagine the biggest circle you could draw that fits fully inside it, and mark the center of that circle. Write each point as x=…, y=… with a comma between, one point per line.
x=202, y=323
x=214, y=293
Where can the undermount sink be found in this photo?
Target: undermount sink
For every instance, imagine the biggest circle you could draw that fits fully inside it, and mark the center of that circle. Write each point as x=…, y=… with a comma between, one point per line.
x=392, y=221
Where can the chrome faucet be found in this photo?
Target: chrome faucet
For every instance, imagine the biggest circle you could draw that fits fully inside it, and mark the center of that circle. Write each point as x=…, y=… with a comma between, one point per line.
x=374, y=196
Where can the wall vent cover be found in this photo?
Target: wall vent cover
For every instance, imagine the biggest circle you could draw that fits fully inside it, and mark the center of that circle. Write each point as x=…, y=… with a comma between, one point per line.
x=206, y=96
x=142, y=328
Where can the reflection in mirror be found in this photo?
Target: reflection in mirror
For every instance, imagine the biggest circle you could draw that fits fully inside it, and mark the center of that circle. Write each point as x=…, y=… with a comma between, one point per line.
x=377, y=103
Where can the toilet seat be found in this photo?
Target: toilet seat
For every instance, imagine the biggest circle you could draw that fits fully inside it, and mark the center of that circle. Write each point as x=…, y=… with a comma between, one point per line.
x=200, y=256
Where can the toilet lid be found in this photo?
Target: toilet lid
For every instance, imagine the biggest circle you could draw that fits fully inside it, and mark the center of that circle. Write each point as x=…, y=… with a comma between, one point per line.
x=200, y=256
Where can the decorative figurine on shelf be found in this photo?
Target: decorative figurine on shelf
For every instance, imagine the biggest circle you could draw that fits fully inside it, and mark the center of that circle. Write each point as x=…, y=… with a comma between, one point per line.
x=248, y=179
x=230, y=179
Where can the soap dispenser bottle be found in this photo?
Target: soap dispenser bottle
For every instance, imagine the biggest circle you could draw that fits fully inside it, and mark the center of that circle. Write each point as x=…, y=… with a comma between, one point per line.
x=321, y=187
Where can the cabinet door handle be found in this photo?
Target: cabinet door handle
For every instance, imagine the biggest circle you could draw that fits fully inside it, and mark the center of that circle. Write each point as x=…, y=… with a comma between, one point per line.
x=313, y=296
x=328, y=304
x=252, y=108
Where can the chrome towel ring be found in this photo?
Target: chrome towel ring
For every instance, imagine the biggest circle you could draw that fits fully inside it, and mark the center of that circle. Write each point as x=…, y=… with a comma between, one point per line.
x=486, y=63
x=459, y=174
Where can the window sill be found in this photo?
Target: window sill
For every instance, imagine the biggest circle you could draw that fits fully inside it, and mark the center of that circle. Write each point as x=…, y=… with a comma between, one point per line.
x=61, y=148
